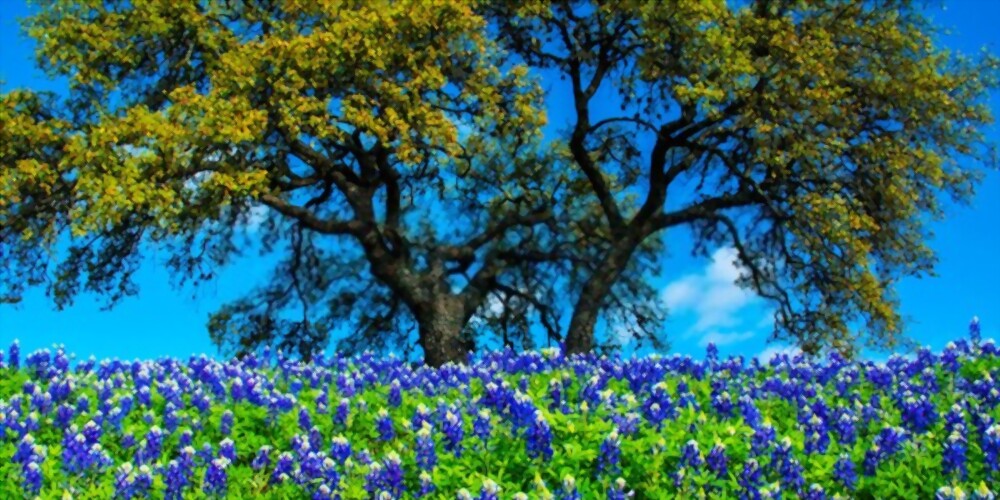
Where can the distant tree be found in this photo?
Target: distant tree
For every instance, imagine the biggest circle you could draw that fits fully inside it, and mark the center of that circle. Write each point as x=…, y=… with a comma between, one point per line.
x=394, y=149
x=815, y=137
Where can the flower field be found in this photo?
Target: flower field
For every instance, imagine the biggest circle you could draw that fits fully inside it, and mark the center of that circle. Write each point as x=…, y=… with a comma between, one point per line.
x=531, y=425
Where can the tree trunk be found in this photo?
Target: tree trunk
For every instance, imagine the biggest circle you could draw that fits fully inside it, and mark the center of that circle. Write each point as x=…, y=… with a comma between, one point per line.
x=580, y=337
x=440, y=326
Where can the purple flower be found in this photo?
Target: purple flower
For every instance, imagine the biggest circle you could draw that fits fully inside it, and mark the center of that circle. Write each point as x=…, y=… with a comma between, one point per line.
x=716, y=460
x=426, y=485
x=283, y=469
x=383, y=424
x=216, y=479
x=844, y=472
x=262, y=459
x=953, y=455
x=609, y=456
x=175, y=478
x=750, y=480
x=395, y=394
x=226, y=423
x=227, y=450
x=340, y=449
x=481, y=426
x=420, y=416
x=453, y=432
x=343, y=410
x=539, y=436
x=489, y=491
x=32, y=477
x=568, y=490
x=991, y=448
x=974, y=331
x=618, y=490
x=426, y=454
x=14, y=356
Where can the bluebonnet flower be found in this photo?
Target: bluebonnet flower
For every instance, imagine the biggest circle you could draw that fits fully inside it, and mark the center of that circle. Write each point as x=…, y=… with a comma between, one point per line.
x=482, y=426
x=340, y=449
x=489, y=491
x=284, y=468
x=226, y=423
x=918, y=413
x=691, y=455
x=762, y=438
x=305, y=420
x=750, y=480
x=618, y=490
x=227, y=449
x=991, y=448
x=817, y=435
x=717, y=461
x=844, y=472
x=609, y=456
x=539, y=437
x=953, y=455
x=143, y=482
x=658, y=406
x=14, y=355
x=386, y=476
x=983, y=492
x=845, y=428
x=386, y=432
x=32, y=477
x=395, y=394
x=426, y=485
x=421, y=416
x=175, y=478
x=123, y=481
x=815, y=492
x=568, y=490
x=426, y=454
x=975, y=335
x=555, y=394
x=216, y=478
x=453, y=432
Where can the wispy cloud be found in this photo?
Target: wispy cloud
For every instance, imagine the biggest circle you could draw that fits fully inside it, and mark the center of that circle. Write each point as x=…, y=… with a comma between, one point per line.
x=775, y=350
x=721, y=339
x=716, y=302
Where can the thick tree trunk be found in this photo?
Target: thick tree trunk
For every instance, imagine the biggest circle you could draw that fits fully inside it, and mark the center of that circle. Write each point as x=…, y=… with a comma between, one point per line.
x=580, y=337
x=440, y=326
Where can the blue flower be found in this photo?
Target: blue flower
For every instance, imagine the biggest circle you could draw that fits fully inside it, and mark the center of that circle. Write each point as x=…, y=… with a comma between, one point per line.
x=386, y=431
x=717, y=460
x=539, y=437
x=618, y=490
x=489, y=491
x=426, y=454
x=844, y=472
x=609, y=457
x=454, y=432
x=216, y=480
x=953, y=455
x=32, y=477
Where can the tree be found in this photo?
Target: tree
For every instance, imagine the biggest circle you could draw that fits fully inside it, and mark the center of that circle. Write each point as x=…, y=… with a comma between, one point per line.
x=815, y=137
x=394, y=149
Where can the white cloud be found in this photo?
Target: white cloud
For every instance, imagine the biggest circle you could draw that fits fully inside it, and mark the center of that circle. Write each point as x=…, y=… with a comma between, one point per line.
x=715, y=300
x=253, y=218
x=775, y=350
x=721, y=339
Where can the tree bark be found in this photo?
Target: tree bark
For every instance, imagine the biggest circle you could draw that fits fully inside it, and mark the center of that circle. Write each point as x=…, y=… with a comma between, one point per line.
x=440, y=324
x=580, y=337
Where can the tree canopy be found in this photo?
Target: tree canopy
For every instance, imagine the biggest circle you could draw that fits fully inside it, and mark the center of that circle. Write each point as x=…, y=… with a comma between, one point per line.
x=397, y=154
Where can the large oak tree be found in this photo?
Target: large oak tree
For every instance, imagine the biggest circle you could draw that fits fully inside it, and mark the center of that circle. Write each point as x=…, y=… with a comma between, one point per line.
x=816, y=137
x=396, y=154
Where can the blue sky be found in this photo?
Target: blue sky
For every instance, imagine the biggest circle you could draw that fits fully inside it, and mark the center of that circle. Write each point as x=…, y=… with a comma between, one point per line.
x=705, y=305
